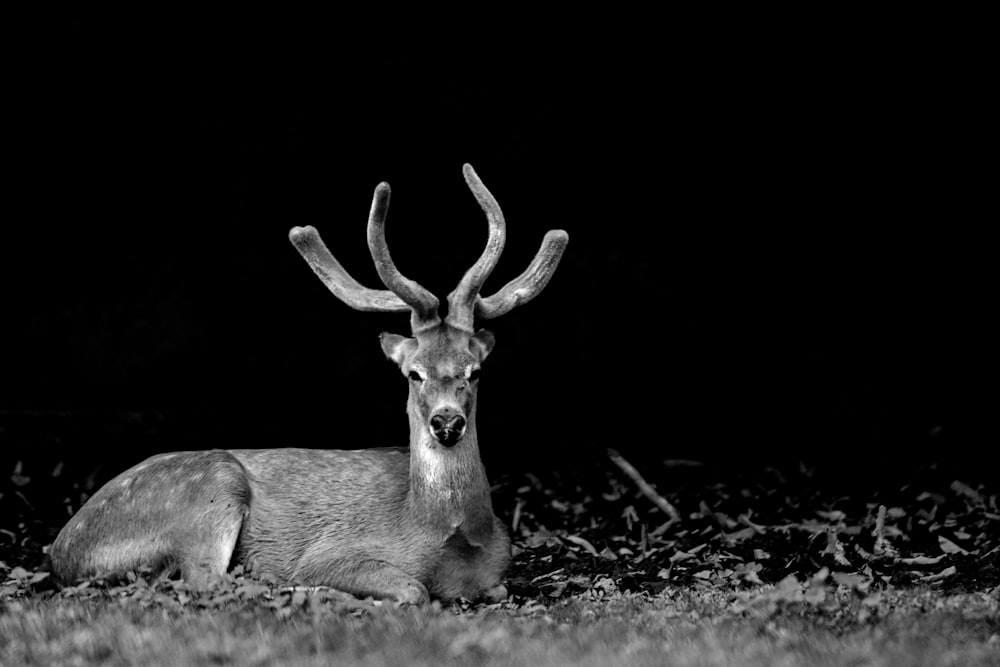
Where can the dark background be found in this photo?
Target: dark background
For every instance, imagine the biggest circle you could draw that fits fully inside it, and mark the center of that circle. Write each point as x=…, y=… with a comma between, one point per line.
x=774, y=255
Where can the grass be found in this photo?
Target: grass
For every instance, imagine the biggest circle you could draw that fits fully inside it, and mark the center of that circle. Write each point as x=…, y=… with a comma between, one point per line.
x=761, y=565
x=765, y=626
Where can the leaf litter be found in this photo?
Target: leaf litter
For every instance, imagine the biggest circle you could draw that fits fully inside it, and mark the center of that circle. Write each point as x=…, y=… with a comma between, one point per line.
x=769, y=540
x=775, y=536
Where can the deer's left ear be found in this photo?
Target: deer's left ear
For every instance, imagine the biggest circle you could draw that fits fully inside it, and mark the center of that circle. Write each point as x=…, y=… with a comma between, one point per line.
x=481, y=344
x=395, y=346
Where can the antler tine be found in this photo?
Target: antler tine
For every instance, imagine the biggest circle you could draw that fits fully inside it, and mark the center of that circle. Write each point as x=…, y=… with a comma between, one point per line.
x=423, y=303
x=526, y=286
x=309, y=244
x=463, y=298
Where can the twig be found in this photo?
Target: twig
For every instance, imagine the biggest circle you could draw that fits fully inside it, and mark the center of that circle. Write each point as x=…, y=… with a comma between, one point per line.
x=882, y=546
x=644, y=486
x=516, y=521
x=546, y=576
x=879, y=529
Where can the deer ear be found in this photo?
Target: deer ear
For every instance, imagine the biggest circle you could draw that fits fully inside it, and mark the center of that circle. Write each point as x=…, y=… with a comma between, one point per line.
x=395, y=346
x=481, y=343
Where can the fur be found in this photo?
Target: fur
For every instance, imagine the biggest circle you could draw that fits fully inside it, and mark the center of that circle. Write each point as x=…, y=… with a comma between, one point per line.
x=388, y=523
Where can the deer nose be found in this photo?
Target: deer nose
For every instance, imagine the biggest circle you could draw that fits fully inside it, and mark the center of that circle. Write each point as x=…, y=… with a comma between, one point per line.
x=448, y=426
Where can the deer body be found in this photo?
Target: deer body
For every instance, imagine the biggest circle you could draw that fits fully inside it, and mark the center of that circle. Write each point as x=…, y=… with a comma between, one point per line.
x=394, y=523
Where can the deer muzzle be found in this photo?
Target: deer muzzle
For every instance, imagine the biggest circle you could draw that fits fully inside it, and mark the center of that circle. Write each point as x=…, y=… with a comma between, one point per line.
x=448, y=426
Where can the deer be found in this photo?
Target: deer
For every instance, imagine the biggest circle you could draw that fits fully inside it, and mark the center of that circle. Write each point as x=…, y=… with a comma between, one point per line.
x=405, y=524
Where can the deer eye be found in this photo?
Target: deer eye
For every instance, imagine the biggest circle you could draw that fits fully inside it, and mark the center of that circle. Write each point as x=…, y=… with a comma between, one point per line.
x=474, y=375
x=415, y=376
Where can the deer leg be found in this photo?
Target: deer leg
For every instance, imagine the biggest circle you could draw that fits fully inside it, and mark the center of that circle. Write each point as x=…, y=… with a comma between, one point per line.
x=205, y=553
x=364, y=577
x=206, y=534
x=382, y=580
x=497, y=593
x=495, y=560
x=174, y=510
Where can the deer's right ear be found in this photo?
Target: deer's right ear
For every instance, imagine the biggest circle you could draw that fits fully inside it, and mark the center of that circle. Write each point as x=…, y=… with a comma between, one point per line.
x=396, y=346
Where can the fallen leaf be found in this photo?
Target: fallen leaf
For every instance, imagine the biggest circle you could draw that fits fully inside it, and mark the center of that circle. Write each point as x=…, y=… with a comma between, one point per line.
x=39, y=577
x=749, y=572
x=950, y=547
x=815, y=594
x=745, y=520
x=853, y=581
x=788, y=588
x=967, y=491
x=835, y=548
x=921, y=560
x=17, y=478
x=607, y=584
x=252, y=590
x=682, y=463
x=541, y=537
x=820, y=576
x=516, y=520
x=583, y=543
x=740, y=535
x=943, y=574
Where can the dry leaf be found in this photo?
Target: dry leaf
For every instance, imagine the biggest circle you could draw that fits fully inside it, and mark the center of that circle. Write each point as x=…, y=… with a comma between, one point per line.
x=950, y=547
x=921, y=560
x=855, y=581
x=583, y=543
x=943, y=574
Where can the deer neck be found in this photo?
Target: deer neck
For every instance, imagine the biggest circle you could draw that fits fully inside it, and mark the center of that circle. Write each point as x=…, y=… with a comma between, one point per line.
x=449, y=492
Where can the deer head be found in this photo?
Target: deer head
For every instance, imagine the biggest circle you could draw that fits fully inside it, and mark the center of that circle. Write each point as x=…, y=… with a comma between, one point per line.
x=440, y=359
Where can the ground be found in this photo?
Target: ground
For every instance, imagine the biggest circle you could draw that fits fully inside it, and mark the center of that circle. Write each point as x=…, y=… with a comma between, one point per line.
x=616, y=562
x=679, y=626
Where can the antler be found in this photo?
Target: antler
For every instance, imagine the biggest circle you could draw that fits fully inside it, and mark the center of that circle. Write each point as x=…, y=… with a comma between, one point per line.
x=464, y=301
x=526, y=286
x=423, y=303
x=463, y=297
x=403, y=294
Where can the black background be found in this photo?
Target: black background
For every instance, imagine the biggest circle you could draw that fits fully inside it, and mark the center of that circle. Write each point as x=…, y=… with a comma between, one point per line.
x=774, y=254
